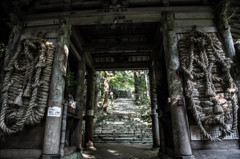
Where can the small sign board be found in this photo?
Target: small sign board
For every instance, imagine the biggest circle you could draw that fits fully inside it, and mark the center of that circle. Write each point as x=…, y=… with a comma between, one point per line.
x=54, y=111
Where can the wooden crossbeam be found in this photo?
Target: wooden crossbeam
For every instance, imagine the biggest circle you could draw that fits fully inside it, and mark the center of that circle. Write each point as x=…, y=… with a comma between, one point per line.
x=75, y=52
x=102, y=66
x=120, y=49
x=131, y=15
x=78, y=41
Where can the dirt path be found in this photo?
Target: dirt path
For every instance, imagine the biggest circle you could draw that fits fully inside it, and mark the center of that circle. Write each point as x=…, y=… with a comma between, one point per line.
x=120, y=151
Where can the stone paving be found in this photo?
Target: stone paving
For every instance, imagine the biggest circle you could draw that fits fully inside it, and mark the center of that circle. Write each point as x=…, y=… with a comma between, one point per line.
x=120, y=151
x=122, y=125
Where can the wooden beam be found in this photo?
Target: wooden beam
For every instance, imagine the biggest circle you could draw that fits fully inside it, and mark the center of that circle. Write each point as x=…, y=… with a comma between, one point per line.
x=190, y=23
x=103, y=66
x=20, y=153
x=83, y=4
x=78, y=41
x=89, y=124
x=75, y=51
x=99, y=4
x=52, y=134
x=94, y=55
x=136, y=51
x=154, y=107
x=129, y=48
x=187, y=29
x=81, y=69
x=131, y=15
x=200, y=15
x=181, y=140
x=52, y=21
x=89, y=60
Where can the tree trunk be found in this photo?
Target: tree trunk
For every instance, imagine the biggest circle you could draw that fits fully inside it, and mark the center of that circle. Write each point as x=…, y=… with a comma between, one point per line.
x=106, y=90
x=146, y=82
x=136, y=86
x=97, y=90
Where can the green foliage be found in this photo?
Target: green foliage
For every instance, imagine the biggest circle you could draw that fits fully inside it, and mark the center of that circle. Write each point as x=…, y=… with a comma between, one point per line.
x=125, y=81
x=122, y=80
x=145, y=112
x=70, y=82
x=142, y=88
x=142, y=95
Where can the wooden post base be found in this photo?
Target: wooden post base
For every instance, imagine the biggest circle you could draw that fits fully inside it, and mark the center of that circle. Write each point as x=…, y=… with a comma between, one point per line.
x=155, y=130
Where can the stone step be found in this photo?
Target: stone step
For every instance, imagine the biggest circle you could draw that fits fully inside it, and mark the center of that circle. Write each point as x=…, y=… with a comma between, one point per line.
x=123, y=125
x=124, y=139
x=108, y=139
x=124, y=128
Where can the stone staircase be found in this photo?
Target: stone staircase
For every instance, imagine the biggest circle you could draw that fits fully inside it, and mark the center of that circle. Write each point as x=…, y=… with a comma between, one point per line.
x=122, y=125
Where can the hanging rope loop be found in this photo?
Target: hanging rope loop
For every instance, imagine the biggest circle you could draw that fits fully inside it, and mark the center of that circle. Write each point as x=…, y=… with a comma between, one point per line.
x=208, y=83
x=26, y=84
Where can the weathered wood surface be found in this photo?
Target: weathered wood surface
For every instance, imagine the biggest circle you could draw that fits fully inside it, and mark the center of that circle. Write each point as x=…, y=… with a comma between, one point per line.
x=58, y=4
x=154, y=107
x=81, y=69
x=56, y=95
x=75, y=52
x=182, y=145
x=30, y=138
x=20, y=153
x=122, y=65
x=78, y=39
x=134, y=15
x=186, y=29
x=89, y=124
x=194, y=16
x=46, y=32
x=162, y=94
x=199, y=23
x=44, y=22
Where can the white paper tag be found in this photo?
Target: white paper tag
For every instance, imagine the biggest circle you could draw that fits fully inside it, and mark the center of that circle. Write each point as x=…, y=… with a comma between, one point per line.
x=54, y=111
x=90, y=112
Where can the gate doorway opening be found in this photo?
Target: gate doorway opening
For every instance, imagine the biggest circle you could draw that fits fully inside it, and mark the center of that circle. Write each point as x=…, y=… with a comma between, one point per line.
x=122, y=115
x=107, y=50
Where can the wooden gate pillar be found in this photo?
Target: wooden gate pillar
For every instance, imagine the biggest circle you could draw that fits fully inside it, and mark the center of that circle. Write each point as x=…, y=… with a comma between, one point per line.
x=154, y=107
x=81, y=69
x=89, y=124
x=54, y=115
x=181, y=138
